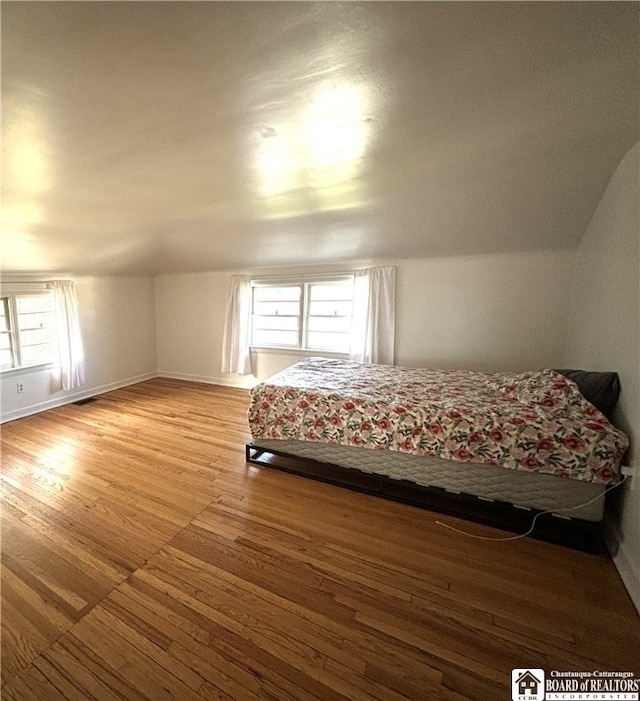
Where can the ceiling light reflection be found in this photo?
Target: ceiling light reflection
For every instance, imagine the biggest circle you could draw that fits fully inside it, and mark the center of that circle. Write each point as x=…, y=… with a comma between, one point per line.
x=18, y=249
x=26, y=142
x=313, y=162
x=335, y=132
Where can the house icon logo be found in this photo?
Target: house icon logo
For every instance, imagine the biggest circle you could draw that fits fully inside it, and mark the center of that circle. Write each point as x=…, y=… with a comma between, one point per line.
x=527, y=685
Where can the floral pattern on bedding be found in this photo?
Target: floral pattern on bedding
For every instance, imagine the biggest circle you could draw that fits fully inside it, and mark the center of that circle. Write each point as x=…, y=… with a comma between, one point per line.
x=534, y=421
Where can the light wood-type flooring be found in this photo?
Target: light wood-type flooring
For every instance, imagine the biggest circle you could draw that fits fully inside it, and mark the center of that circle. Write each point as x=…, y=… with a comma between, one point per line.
x=143, y=559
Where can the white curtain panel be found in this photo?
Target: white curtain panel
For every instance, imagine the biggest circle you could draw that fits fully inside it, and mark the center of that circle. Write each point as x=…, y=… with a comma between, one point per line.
x=236, y=356
x=374, y=314
x=70, y=348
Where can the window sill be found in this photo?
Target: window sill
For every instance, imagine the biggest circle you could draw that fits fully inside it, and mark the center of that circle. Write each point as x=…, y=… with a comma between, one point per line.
x=25, y=370
x=301, y=352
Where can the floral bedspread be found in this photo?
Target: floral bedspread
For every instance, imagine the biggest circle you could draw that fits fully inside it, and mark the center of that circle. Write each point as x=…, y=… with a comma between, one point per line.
x=534, y=421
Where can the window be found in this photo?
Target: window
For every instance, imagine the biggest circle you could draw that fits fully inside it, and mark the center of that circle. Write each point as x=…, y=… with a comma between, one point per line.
x=352, y=314
x=27, y=330
x=312, y=315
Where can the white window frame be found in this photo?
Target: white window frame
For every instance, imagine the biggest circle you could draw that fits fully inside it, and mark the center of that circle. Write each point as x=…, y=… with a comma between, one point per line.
x=10, y=296
x=304, y=283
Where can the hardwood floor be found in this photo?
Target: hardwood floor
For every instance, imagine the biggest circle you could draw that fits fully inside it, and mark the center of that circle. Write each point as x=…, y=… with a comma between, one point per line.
x=143, y=559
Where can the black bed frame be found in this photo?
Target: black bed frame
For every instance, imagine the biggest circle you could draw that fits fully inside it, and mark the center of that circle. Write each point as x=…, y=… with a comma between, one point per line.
x=574, y=533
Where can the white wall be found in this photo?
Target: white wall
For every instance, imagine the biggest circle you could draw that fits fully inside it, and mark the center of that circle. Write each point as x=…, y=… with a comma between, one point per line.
x=493, y=312
x=604, y=333
x=501, y=312
x=190, y=310
x=117, y=318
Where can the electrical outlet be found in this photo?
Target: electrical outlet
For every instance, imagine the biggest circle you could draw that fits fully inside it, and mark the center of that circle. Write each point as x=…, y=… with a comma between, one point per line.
x=628, y=471
x=19, y=387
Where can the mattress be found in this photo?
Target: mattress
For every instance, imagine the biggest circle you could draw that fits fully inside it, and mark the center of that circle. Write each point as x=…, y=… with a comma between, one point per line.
x=534, y=422
x=564, y=497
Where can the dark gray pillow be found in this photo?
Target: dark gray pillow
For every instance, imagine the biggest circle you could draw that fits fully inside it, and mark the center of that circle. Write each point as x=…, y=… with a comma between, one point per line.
x=602, y=389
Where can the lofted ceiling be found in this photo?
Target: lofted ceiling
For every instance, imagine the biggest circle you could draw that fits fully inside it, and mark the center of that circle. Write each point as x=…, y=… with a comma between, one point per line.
x=152, y=137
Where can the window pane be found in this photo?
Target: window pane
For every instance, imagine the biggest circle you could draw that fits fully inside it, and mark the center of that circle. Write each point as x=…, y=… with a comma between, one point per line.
x=34, y=337
x=329, y=323
x=33, y=341
x=329, y=316
x=278, y=315
x=264, y=337
x=6, y=359
x=32, y=355
x=35, y=320
x=283, y=323
x=4, y=315
x=27, y=304
x=334, y=308
x=331, y=291
x=285, y=293
x=322, y=340
x=276, y=308
x=35, y=328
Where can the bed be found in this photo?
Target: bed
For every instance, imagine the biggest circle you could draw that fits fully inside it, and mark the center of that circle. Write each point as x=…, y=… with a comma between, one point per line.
x=497, y=448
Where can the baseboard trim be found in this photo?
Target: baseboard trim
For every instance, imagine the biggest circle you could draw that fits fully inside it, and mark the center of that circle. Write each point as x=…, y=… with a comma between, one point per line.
x=76, y=396
x=629, y=573
x=630, y=577
x=237, y=381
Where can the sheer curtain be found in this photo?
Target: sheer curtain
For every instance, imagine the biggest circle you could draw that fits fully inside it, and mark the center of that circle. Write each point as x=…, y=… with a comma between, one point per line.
x=70, y=346
x=374, y=315
x=236, y=357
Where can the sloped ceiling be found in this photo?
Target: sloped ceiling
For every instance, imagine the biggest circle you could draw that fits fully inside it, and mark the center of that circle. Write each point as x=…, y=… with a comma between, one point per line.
x=174, y=136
